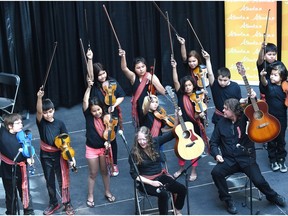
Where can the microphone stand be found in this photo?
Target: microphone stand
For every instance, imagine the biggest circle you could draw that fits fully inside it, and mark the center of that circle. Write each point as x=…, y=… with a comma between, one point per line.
x=14, y=187
x=137, y=171
x=186, y=181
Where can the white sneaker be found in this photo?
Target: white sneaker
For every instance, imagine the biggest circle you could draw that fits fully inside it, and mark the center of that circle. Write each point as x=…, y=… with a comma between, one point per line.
x=283, y=167
x=275, y=166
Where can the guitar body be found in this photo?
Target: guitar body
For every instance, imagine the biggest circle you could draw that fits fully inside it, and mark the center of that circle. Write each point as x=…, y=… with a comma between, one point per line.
x=189, y=145
x=263, y=127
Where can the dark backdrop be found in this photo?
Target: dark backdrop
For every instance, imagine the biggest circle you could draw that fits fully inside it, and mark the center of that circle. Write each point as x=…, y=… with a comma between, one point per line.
x=30, y=28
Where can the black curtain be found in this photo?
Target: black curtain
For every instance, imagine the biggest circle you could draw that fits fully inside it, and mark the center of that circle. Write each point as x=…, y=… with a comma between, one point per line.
x=29, y=30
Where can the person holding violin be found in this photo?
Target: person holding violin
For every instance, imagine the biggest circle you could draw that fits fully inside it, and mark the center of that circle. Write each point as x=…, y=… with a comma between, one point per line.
x=111, y=94
x=267, y=55
x=96, y=145
x=194, y=64
x=9, y=155
x=275, y=98
x=50, y=155
x=184, y=89
x=140, y=80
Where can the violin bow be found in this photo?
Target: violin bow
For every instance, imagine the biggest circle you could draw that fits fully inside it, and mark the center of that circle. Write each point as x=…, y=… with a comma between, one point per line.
x=119, y=46
x=170, y=37
x=49, y=66
x=152, y=74
x=83, y=51
x=195, y=34
x=265, y=35
x=86, y=25
x=157, y=7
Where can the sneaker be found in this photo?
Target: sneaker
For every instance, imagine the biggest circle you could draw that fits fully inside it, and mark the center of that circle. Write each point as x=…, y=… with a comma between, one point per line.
x=231, y=208
x=278, y=200
x=282, y=166
x=51, y=209
x=275, y=166
x=116, y=170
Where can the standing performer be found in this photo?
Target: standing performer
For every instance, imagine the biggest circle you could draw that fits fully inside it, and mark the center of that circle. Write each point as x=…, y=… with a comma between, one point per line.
x=53, y=164
x=140, y=82
x=184, y=89
x=275, y=98
x=146, y=155
x=100, y=89
x=95, y=145
x=10, y=157
x=235, y=152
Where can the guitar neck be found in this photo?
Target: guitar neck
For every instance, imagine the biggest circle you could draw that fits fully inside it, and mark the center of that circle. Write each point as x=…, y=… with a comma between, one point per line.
x=181, y=120
x=248, y=88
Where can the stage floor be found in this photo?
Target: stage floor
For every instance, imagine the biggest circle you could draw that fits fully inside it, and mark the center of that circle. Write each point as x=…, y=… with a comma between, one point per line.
x=203, y=195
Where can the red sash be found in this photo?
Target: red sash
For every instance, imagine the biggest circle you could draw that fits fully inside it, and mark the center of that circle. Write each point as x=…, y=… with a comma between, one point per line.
x=64, y=171
x=99, y=126
x=135, y=98
x=156, y=127
x=151, y=177
x=217, y=112
x=25, y=192
x=190, y=112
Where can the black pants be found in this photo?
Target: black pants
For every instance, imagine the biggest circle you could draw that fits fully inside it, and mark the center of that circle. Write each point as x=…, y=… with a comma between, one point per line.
x=8, y=187
x=222, y=170
x=51, y=168
x=172, y=186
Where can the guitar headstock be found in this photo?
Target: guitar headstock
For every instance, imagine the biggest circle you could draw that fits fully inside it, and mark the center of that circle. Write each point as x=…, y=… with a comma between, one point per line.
x=170, y=91
x=240, y=68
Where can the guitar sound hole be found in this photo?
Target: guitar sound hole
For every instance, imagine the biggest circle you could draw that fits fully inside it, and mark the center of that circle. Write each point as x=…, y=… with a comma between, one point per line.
x=186, y=134
x=258, y=115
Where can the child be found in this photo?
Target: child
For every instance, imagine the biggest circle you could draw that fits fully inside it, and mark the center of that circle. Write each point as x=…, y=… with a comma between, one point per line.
x=95, y=145
x=140, y=80
x=223, y=89
x=275, y=98
x=267, y=55
x=51, y=160
x=9, y=152
x=184, y=89
x=99, y=76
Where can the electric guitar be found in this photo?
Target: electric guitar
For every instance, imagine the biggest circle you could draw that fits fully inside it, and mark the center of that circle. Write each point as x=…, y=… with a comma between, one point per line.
x=189, y=145
x=263, y=127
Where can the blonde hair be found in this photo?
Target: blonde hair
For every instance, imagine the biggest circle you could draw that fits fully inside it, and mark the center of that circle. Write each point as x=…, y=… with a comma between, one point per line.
x=146, y=101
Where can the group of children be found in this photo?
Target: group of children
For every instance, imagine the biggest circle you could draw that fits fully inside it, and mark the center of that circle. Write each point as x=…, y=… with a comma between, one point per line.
x=190, y=93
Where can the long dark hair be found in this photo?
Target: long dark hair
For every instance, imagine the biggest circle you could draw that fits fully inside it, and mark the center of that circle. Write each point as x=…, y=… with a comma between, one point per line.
x=138, y=152
x=97, y=67
x=183, y=80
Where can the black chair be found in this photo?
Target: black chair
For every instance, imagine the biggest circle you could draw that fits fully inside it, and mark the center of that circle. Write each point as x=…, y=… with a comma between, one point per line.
x=9, y=85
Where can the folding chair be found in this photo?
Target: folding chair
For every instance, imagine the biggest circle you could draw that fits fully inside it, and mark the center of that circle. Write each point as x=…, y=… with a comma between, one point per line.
x=9, y=85
x=240, y=182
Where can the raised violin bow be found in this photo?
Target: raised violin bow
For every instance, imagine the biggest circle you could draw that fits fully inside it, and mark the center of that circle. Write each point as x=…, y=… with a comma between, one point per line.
x=165, y=17
x=86, y=25
x=83, y=51
x=49, y=66
x=170, y=37
x=195, y=34
x=119, y=46
x=264, y=37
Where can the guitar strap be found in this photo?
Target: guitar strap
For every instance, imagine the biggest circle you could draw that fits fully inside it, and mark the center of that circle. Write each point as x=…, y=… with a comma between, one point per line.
x=189, y=109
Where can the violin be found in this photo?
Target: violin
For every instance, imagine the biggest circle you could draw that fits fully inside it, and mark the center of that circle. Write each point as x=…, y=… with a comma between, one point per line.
x=24, y=138
x=201, y=73
x=109, y=87
x=109, y=135
x=62, y=142
x=285, y=89
x=151, y=87
x=197, y=98
x=160, y=113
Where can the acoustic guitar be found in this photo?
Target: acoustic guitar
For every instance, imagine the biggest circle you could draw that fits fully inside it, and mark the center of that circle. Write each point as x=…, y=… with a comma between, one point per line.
x=189, y=145
x=263, y=127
